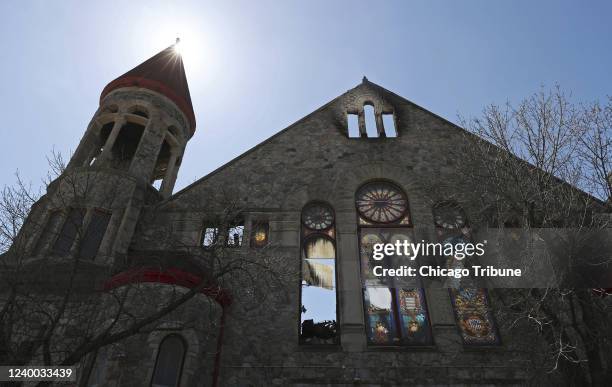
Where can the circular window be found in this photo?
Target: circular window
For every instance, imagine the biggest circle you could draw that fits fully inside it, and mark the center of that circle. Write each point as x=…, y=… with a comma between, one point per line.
x=317, y=216
x=381, y=202
x=449, y=216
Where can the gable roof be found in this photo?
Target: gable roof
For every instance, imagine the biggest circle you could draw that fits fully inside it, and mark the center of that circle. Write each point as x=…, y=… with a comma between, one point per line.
x=365, y=84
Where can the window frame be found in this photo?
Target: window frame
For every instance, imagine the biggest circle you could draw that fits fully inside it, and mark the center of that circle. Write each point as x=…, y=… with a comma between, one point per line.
x=394, y=290
x=306, y=234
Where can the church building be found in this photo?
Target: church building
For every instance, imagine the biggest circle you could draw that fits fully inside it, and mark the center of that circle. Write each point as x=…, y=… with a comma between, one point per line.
x=282, y=237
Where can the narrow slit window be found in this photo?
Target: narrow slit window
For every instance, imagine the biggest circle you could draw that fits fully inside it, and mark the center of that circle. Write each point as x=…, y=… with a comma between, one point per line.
x=389, y=124
x=94, y=234
x=71, y=228
x=370, y=121
x=353, y=125
x=46, y=236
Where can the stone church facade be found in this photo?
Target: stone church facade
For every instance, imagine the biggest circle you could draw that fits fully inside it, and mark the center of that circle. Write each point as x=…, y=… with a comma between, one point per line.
x=307, y=202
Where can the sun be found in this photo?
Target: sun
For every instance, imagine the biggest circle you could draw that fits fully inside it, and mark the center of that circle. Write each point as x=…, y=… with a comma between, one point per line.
x=178, y=47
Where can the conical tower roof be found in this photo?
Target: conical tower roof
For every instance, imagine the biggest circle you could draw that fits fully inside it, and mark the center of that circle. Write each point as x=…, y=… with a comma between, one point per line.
x=163, y=73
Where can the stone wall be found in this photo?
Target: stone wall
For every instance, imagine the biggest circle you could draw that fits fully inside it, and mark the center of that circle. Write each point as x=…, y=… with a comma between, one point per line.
x=314, y=159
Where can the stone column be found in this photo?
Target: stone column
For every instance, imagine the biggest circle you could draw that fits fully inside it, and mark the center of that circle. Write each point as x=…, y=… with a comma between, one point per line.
x=110, y=141
x=171, y=173
x=148, y=150
x=352, y=327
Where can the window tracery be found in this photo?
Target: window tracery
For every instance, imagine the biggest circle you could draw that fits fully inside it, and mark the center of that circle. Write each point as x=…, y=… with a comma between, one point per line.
x=396, y=311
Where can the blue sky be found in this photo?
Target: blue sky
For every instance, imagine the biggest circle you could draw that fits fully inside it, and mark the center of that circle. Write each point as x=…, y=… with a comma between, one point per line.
x=256, y=67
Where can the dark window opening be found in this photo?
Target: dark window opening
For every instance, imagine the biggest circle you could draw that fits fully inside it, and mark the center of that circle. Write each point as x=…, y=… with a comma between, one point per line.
x=235, y=234
x=161, y=165
x=126, y=145
x=370, y=121
x=210, y=236
x=141, y=113
x=105, y=131
x=169, y=363
x=259, y=234
x=71, y=228
x=46, y=236
x=94, y=234
x=353, y=125
x=389, y=124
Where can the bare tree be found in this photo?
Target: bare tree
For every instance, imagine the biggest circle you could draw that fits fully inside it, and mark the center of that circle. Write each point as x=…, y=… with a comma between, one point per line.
x=61, y=310
x=545, y=163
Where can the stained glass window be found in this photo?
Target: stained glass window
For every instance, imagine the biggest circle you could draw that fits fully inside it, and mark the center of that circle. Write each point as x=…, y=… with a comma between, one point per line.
x=470, y=304
x=474, y=318
x=318, y=306
x=259, y=234
x=396, y=309
x=381, y=202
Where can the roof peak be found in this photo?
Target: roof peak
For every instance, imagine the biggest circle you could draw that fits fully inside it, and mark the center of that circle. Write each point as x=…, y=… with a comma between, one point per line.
x=163, y=73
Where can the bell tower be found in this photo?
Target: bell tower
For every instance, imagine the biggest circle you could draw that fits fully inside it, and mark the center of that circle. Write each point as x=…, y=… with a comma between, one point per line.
x=128, y=158
x=143, y=123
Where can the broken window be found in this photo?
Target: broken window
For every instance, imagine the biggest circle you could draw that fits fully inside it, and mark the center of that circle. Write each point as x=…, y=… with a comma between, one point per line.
x=389, y=124
x=259, y=234
x=353, y=125
x=71, y=228
x=318, y=298
x=94, y=234
x=210, y=236
x=169, y=363
x=235, y=233
x=46, y=236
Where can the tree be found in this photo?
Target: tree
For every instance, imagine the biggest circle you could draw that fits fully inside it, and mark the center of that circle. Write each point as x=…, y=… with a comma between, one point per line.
x=545, y=163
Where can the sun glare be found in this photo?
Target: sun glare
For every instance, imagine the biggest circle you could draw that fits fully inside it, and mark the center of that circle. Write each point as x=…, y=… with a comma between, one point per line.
x=178, y=47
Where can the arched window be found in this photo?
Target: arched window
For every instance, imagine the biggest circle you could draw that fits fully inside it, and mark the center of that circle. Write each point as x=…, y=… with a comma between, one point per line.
x=395, y=310
x=470, y=304
x=318, y=296
x=97, y=373
x=169, y=363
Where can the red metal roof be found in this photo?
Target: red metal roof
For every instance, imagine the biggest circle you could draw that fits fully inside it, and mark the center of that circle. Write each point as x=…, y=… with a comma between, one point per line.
x=163, y=73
